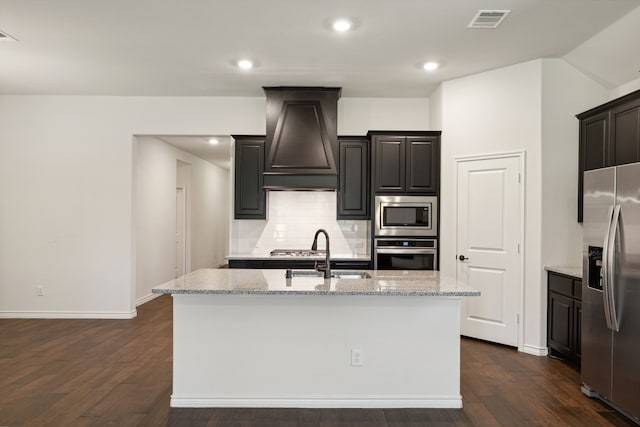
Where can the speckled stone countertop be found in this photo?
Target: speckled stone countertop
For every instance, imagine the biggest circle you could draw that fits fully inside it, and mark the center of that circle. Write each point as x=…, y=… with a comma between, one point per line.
x=273, y=282
x=573, y=271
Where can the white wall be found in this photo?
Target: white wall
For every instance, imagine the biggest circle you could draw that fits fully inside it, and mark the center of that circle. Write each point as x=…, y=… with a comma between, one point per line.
x=492, y=112
x=531, y=107
x=566, y=92
x=207, y=188
x=624, y=89
x=66, y=176
x=356, y=116
x=66, y=220
x=435, y=109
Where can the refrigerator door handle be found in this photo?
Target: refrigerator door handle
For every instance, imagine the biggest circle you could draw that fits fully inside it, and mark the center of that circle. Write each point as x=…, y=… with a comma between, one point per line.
x=606, y=268
x=611, y=259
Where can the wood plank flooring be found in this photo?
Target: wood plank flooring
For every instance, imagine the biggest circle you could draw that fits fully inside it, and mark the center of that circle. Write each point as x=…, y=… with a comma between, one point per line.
x=118, y=373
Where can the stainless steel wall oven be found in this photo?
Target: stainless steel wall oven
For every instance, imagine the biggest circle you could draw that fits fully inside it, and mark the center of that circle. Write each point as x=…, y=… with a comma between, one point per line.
x=392, y=253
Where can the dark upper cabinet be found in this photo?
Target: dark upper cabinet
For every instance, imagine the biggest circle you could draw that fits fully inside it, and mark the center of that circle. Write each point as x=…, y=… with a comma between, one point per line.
x=249, y=196
x=353, y=189
x=406, y=162
x=423, y=164
x=594, y=151
x=625, y=132
x=609, y=136
x=595, y=142
x=389, y=169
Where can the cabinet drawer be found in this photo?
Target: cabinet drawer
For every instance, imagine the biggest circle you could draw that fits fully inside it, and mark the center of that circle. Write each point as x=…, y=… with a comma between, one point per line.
x=561, y=284
x=577, y=289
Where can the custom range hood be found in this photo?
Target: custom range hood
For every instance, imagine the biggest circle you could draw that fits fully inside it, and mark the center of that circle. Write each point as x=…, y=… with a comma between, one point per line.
x=301, y=144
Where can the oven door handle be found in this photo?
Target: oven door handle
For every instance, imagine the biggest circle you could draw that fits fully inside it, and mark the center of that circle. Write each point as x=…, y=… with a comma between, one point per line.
x=406, y=251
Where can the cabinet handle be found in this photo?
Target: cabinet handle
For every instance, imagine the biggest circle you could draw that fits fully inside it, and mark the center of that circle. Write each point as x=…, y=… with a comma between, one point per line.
x=462, y=258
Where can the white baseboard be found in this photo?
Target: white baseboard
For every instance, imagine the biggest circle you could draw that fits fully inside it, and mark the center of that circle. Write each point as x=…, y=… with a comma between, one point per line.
x=375, y=402
x=146, y=299
x=535, y=351
x=67, y=315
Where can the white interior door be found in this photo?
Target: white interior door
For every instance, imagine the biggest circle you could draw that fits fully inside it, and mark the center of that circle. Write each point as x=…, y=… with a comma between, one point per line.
x=488, y=245
x=181, y=250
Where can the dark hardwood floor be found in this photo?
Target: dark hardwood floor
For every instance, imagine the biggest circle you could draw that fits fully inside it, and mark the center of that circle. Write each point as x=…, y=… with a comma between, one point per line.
x=118, y=372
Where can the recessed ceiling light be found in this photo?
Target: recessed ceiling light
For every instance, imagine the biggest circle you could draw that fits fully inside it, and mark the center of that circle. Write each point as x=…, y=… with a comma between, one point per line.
x=245, y=64
x=430, y=66
x=342, y=25
x=213, y=141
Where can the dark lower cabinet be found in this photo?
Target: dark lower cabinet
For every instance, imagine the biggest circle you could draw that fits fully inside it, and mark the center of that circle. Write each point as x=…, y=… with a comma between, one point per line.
x=609, y=136
x=249, y=196
x=296, y=263
x=564, y=316
x=353, y=190
x=577, y=322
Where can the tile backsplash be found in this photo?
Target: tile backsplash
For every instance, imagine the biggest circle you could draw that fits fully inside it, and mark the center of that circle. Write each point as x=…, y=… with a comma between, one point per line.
x=292, y=220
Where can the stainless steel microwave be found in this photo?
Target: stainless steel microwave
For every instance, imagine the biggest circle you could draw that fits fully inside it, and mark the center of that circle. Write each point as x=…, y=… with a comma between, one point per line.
x=406, y=216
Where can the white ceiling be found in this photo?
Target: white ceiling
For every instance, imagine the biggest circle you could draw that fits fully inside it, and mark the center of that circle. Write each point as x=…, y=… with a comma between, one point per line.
x=186, y=48
x=219, y=155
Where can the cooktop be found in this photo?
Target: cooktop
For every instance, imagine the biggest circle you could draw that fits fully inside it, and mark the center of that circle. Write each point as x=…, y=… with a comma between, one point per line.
x=297, y=252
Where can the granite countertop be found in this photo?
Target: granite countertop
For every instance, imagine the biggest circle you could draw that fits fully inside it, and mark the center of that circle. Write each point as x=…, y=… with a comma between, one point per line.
x=573, y=271
x=266, y=256
x=273, y=282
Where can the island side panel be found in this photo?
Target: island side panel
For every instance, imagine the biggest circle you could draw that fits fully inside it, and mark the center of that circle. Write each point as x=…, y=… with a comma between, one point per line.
x=295, y=351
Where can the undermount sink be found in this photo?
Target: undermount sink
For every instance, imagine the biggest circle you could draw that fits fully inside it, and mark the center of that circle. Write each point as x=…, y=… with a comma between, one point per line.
x=334, y=274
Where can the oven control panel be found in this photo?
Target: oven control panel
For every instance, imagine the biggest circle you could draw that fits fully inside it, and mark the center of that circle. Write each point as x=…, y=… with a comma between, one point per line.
x=406, y=243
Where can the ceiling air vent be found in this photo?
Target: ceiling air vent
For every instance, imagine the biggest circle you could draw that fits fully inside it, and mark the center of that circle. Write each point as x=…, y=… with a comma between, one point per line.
x=4, y=37
x=488, y=18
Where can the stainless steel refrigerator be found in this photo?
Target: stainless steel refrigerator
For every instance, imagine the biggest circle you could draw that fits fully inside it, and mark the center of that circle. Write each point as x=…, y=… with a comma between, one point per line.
x=611, y=287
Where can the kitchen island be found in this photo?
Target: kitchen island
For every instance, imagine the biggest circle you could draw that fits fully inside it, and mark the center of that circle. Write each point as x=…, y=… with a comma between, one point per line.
x=255, y=338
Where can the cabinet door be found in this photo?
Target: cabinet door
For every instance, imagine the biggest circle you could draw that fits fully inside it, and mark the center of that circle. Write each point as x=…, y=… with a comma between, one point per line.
x=595, y=141
x=577, y=328
x=249, y=197
x=353, y=191
x=422, y=164
x=594, y=149
x=560, y=323
x=390, y=164
x=625, y=133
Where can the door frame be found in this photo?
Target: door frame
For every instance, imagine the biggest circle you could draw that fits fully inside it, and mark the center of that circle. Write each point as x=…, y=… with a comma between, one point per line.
x=521, y=156
x=182, y=191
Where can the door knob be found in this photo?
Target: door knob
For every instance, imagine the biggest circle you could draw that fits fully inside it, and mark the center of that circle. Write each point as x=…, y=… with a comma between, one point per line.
x=462, y=258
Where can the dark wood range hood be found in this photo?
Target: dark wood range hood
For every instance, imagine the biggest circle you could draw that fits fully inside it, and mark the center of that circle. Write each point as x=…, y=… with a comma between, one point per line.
x=301, y=142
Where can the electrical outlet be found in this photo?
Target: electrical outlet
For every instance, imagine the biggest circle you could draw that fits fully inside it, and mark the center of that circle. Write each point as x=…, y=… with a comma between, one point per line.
x=40, y=291
x=357, y=357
